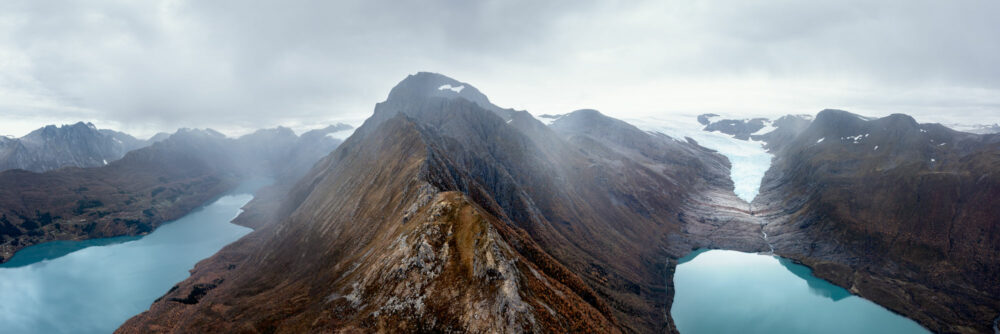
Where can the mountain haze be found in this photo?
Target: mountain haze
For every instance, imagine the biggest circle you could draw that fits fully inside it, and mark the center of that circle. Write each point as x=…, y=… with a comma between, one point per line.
x=148, y=186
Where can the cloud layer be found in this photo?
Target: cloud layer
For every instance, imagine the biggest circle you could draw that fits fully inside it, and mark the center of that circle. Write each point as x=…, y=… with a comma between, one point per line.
x=146, y=66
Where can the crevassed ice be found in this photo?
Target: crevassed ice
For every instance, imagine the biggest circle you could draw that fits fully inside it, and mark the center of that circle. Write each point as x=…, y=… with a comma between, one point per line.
x=748, y=158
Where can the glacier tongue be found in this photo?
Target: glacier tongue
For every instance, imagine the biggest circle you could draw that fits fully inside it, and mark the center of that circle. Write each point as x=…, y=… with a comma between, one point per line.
x=749, y=158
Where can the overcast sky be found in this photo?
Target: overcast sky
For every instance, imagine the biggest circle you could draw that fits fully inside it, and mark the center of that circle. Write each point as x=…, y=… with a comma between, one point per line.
x=148, y=66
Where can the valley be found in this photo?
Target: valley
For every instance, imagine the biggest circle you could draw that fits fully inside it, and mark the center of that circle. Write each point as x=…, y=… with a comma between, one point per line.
x=548, y=187
x=575, y=224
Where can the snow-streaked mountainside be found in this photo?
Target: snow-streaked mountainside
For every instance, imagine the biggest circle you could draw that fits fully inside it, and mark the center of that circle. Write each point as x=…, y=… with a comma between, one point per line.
x=748, y=157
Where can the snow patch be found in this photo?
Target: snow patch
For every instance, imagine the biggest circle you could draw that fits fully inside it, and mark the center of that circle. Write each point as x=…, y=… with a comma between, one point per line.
x=768, y=127
x=105, y=161
x=876, y=148
x=549, y=119
x=855, y=139
x=821, y=140
x=456, y=89
x=932, y=160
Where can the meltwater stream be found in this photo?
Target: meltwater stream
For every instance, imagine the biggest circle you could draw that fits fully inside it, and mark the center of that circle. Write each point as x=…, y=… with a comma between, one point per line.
x=93, y=286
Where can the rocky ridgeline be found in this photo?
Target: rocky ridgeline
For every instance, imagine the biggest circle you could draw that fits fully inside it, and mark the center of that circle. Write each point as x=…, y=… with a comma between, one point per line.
x=444, y=212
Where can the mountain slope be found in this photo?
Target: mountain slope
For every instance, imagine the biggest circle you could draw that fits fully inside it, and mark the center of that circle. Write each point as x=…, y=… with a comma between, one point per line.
x=905, y=214
x=572, y=211
x=392, y=266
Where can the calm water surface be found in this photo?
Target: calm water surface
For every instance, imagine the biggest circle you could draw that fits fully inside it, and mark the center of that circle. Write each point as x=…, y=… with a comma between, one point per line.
x=93, y=286
x=733, y=292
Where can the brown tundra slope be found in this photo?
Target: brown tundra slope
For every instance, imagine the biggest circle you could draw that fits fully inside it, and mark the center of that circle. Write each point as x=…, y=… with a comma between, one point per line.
x=904, y=214
x=444, y=212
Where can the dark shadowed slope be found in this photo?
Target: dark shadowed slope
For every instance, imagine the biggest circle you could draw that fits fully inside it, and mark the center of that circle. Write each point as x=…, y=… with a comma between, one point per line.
x=904, y=214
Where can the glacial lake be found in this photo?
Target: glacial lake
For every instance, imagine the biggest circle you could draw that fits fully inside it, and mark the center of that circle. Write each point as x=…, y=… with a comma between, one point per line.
x=718, y=291
x=93, y=286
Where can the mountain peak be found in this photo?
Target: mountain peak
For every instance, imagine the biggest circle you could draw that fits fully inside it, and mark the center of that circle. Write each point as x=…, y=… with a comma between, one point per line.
x=586, y=119
x=433, y=85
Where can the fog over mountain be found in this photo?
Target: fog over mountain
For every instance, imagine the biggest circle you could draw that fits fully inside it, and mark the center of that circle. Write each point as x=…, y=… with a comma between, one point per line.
x=155, y=66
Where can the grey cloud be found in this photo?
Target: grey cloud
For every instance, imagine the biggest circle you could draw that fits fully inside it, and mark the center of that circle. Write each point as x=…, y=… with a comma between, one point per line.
x=157, y=65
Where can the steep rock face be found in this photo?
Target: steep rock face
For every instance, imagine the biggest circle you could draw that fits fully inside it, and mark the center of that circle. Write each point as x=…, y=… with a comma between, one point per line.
x=905, y=214
x=77, y=145
x=581, y=212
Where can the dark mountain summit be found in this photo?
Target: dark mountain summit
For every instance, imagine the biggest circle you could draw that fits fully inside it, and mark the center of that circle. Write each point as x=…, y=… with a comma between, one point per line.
x=432, y=87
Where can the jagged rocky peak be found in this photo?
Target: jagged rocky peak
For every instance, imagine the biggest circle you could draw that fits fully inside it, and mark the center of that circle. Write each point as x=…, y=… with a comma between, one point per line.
x=49, y=132
x=79, y=145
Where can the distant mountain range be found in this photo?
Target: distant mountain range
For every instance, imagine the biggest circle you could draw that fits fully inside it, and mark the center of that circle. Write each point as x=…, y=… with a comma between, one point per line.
x=84, y=145
x=148, y=186
x=77, y=145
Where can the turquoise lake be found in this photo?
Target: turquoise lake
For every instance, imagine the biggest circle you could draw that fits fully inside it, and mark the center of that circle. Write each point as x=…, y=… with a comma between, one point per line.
x=93, y=286
x=721, y=291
